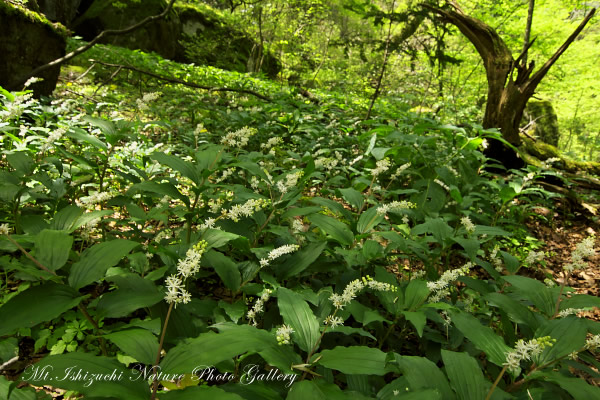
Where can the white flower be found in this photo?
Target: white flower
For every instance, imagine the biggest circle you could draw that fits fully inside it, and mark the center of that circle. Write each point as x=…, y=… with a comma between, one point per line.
x=283, y=334
x=440, y=287
x=468, y=224
x=442, y=184
x=381, y=166
x=258, y=307
x=191, y=263
x=533, y=257
x=238, y=138
x=333, y=321
x=290, y=181
x=148, y=97
x=395, y=206
x=584, y=249
x=570, y=311
x=400, y=170
x=245, y=210
x=272, y=142
x=354, y=287
x=4, y=229
x=90, y=201
x=278, y=252
x=593, y=343
x=526, y=350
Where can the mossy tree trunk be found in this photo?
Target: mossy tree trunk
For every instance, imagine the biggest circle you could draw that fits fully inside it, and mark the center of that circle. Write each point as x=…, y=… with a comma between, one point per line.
x=507, y=94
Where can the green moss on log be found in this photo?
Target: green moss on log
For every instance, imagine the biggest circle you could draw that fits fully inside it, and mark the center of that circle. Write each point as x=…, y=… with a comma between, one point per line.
x=16, y=11
x=535, y=152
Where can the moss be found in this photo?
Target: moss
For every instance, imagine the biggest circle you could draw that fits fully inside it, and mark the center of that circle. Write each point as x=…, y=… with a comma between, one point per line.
x=535, y=152
x=13, y=10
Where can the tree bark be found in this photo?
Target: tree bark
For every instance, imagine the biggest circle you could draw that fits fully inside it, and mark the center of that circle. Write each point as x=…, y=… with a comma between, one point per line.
x=507, y=95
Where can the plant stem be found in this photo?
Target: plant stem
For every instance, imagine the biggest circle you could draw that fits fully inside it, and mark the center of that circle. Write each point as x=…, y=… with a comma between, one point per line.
x=160, y=345
x=36, y=262
x=91, y=320
x=489, y=394
x=558, y=299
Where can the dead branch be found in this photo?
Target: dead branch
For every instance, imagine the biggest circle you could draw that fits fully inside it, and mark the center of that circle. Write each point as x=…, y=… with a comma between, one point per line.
x=181, y=82
x=95, y=40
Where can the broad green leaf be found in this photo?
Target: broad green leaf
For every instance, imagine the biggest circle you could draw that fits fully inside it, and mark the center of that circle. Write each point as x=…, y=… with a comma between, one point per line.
x=353, y=197
x=490, y=231
x=81, y=135
x=515, y=310
x=211, y=348
x=185, y=168
x=200, y=392
x=225, y=267
x=37, y=304
x=304, y=390
x=363, y=314
x=297, y=314
x=418, y=319
x=577, y=387
x=140, y=344
x=348, y=330
x=465, y=375
x=511, y=262
x=436, y=227
x=422, y=373
x=415, y=294
x=580, y=301
x=484, y=338
x=165, y=189
x=65, y=219
x=217, y=237
x=52, y=248
x=300, y=260
x=96, y=260
x=21, y=162
x=471, y=246
x=368, y=219
x=354, y=360
x=535, y=291
x=65, y=369
x=234, y=311
x=332, y=227
x=133, y=293
x=569, y=332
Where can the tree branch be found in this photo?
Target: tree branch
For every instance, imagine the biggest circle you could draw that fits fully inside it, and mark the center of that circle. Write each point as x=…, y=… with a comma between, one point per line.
x=182, y=82
x=94, y=41
x=539, y=75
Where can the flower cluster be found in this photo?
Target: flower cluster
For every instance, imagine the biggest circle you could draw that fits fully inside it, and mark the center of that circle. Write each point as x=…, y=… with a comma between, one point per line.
x=496, y=261
x=441, y=286
x=328, y=163
x=468, y=224
x=15, y=108
x=593, y=342
x=238, y=138
x=570, y=311
x=354, y=287
x=381, y=166
x=148, y=97
x=245, y=210
x=258, y=307
x=90, y=201
x=272, y=142
x=333, y=321
x=290, y=181
x=584, y=249
x=186, y=267
x=525, y=350
x=442, y=184
x=225, y=174
x=283, y=334
x=395, y=206
x=53, y=137
x=278, y=252
x=4, y=229
x=533, y=257
x=400, y=170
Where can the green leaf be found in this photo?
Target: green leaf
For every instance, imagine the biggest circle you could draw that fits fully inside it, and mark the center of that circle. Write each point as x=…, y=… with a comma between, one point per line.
x=569, y=332
x=133, y=293
x=354, y=360
x=200, y=392
x=371, y=249
x=234, y=311
x=67, y=371
x=185, y=168
x=332, y=227
x=418, y=319
x=368, y=219
x=422, y=373
x=96, y=260
x=37, y=304
x=305, y=390
x=66, y=218
x=211, y=348
x=353, y=197
x=52, y=248
x=300, y=260
x=83, y=136
x=297, y=314
x=415, y=294
x=535, y=291
x=217, y=237
x=225, y=267
x=140, y=344
x=165, y=189
x=21, y=162
x=348, y=330
x=484, y=338
x=465, y=375
x=577, y=387
x=437, y=227
x=515, y=310
x=471, y=246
